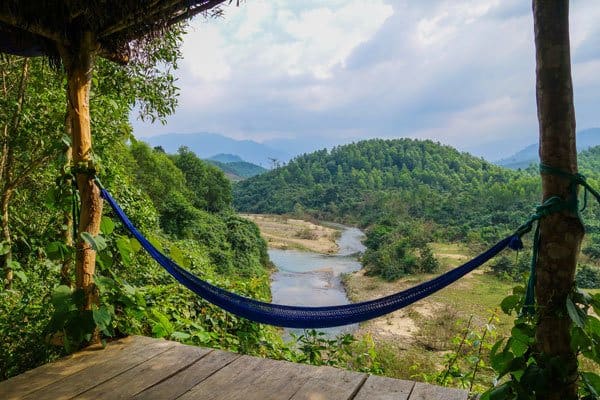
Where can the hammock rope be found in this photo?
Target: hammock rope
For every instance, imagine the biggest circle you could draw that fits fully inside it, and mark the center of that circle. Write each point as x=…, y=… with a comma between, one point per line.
x=306, y=317
x=553, y=204
x=329, y=316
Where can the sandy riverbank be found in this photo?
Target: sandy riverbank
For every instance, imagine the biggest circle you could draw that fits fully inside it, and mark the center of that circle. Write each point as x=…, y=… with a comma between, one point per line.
x=285, y=233
x=409, y=325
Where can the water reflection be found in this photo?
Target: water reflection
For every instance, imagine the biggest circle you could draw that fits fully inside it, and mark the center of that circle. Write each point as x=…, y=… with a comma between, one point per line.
x=311, y=279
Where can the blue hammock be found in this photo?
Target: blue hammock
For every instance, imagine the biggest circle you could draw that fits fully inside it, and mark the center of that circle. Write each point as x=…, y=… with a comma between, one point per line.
x=308, y=317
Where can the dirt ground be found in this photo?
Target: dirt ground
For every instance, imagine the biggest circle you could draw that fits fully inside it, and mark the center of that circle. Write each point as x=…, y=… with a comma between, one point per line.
x=284, y=233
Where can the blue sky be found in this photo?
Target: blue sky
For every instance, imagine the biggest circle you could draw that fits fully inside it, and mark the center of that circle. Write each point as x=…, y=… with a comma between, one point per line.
x=461, y=72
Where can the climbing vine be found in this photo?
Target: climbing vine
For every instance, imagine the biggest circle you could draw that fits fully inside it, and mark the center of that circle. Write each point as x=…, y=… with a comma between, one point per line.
x=522, y=372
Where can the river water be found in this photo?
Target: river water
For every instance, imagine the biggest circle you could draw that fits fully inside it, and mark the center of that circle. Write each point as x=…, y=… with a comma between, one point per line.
x=311, y=279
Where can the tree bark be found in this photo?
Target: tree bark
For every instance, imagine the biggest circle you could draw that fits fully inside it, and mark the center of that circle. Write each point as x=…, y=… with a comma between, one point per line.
x=8, y=172
x=78, y=60
x=6, y=237
x=67, y=263
x=560, y=233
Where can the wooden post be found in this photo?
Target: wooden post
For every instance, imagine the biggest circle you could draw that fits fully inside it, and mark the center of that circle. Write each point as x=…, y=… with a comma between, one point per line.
x=561, y=233
x=78, y=60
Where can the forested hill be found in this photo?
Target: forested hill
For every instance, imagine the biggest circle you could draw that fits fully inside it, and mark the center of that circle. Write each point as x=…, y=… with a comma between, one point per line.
x=366, y=181
x=238, y=170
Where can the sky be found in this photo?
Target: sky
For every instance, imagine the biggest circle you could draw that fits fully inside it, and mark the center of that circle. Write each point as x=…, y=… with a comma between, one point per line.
x=325, y=72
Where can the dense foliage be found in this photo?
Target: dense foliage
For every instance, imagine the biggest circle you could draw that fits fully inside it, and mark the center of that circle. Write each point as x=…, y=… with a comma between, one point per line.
x=238, y=170
x=182, y=203
x=406, y=193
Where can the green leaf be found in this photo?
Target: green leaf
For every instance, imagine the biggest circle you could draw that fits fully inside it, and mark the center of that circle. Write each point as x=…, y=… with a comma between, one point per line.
x=161, y=326
x=14, y=265
x=21, y=275
x=580, y=342
x=592, y=383
x=101, y=317
x=135, y=245
x=156, y=243
x=577, y=315
x=521, y=337
x=592, y=325
x=177, y=255
x=124, y=247
x=501, y=392
x=66, y=139
x=180, y=335
x=57, y=250
x=107, y=226
x=4, y=248
x=61, y=297
x=509, y=303
x=104, y=283
x=105, y=258
x=97, y=242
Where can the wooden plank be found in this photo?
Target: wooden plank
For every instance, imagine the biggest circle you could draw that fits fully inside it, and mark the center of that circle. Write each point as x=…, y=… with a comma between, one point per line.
x=251, y=378
x=382, y=388
x=97, y=373
x=146, y=374
x=35, y=379
x=423, y=391
x=186, y=379
x=328, y=383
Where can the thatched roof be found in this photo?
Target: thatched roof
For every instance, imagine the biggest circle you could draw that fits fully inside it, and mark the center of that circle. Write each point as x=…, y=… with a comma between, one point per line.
x=37, y=27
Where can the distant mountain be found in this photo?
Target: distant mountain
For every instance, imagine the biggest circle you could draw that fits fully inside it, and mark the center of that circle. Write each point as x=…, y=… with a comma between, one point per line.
x=206, y=145
x=225, y=158
x=238, y=170
x=522, y=159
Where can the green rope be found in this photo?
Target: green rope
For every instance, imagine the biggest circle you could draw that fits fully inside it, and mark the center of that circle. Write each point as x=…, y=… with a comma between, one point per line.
x=97, y=181
x=552, y=205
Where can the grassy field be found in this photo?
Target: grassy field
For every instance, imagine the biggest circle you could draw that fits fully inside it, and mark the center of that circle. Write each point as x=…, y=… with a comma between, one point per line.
x=417, y=342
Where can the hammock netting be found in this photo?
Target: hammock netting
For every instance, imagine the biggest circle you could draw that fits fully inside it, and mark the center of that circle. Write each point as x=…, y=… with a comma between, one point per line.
x=306, y=317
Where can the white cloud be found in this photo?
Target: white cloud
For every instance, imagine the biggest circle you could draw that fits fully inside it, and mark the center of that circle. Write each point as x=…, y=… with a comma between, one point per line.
x=205, y=58
x=457, y=71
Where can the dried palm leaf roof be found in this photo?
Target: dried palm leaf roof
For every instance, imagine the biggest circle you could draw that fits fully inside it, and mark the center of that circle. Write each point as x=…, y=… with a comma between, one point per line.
x=37, y=27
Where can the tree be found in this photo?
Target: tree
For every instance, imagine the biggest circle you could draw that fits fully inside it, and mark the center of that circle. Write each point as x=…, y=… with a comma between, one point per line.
x=561, y=233
x=75, y=34
x=31, y=134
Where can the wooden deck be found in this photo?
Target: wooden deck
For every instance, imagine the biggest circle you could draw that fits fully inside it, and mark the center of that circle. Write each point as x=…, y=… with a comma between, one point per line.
x=143, y=368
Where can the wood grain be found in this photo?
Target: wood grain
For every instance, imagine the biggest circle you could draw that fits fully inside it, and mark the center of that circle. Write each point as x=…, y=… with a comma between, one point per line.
x=186, y=379
x=95, y=374
x=423, y=391
x=35, y=379
x=381, y=388
x=146, y=374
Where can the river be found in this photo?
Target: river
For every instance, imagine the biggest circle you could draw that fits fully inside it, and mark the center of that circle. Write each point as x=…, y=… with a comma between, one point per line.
x=312, y=279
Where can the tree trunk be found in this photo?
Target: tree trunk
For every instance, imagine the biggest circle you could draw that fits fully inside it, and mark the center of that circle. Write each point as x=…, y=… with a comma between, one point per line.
x=560, y=233
x=78, y=60
x=67, y=263
x=6, y=236
x=8, y=171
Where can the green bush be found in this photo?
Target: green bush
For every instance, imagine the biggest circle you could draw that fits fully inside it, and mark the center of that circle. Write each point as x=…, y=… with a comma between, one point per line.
x=511, y=267
x=592, y=249
x=588, y=277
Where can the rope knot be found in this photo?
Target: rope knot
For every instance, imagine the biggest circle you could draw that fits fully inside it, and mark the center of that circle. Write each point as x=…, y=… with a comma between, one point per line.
x=515, y=243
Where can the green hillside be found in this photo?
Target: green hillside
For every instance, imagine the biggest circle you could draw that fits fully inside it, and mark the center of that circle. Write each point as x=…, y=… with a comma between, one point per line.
x=238, y=170
x=406, y=193
x=399, y=179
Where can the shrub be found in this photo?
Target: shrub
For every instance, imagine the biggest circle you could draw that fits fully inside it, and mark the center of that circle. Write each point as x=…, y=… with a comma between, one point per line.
x=512, y=268
x=306, y=233
x=588, y=277
x=592, y=250
x=427, y=260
